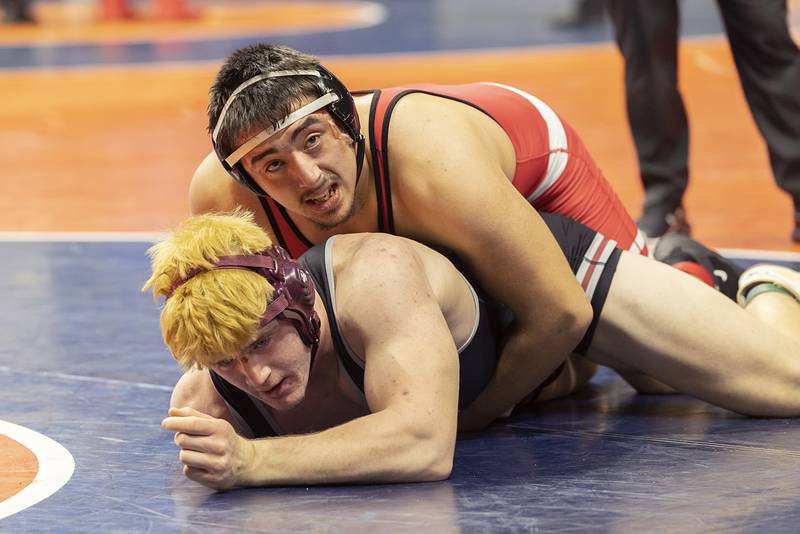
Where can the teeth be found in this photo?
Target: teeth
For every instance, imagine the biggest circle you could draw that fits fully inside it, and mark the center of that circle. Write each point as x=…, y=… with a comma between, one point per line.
x=323, y=197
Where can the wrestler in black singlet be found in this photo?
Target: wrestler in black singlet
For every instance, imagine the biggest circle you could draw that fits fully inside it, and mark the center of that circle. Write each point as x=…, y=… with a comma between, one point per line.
x=479, y=355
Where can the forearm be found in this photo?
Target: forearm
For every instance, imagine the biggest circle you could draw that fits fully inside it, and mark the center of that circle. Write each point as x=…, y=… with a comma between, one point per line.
x=574, y=375
x=373, y=448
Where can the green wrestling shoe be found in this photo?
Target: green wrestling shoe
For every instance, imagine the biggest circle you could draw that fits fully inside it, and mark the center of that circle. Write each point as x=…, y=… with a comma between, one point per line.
x=783, y=278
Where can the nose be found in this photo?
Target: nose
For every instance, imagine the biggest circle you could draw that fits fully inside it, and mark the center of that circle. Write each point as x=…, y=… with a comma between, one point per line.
x=255, y=373
x=307, y=172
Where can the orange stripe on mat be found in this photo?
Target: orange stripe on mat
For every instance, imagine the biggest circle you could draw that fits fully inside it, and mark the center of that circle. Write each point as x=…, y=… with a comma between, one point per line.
x=18, y=467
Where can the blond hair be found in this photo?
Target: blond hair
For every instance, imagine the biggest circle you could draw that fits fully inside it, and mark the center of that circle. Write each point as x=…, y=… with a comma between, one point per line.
x=215, y=314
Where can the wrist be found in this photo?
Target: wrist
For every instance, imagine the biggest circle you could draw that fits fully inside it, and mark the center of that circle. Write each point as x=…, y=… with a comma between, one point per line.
x=246, y=463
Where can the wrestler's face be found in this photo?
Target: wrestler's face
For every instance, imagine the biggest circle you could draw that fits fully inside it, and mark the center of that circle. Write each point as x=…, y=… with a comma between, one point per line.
x=274, y=367
x=309, y=168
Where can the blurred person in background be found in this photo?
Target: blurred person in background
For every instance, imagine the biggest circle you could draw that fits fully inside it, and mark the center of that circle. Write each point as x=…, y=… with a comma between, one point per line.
x=16, y=11
x=768, y=62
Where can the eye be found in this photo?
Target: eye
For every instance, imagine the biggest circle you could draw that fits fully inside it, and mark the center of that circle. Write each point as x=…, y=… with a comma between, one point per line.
x=260, y=343
x=313, y=140
x=274, y=166
x=224, y=364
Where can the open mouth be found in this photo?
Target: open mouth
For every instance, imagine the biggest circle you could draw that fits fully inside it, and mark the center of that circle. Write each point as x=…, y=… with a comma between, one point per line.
x=325, y=199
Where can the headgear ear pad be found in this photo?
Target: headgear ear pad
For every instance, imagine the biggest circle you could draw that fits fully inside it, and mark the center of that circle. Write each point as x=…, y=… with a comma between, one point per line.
x=293, y=280
x=343, y=110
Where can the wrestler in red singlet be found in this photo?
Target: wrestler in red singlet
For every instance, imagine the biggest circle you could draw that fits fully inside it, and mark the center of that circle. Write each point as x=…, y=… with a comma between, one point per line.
x=555, y=171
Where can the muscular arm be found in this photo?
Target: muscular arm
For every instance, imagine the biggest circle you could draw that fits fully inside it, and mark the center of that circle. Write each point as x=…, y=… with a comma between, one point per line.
x=452, y=184
x=388, y=313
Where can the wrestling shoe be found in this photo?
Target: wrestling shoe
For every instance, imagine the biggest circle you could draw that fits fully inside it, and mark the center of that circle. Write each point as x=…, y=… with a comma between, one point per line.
x=686, y=254
x=764, y=273
x=654, y=226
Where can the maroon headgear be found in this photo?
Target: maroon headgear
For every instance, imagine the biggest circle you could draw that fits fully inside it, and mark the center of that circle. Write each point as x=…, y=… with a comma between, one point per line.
x=293, y=297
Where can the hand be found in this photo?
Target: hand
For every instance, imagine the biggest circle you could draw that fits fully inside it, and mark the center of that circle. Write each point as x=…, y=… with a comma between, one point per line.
x=212, y=453
x=470, y=420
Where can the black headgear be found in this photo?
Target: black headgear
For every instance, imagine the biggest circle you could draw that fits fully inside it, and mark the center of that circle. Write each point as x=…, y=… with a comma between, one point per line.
x=335, y=98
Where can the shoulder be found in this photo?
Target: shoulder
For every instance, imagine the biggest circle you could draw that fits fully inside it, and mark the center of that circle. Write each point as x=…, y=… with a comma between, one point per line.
x=451, y=168
x=213, y=189
x=210, y=188
x=421, y=113
x=361, y=256
x=383, y=273
x=384, y=289
x=436, y=144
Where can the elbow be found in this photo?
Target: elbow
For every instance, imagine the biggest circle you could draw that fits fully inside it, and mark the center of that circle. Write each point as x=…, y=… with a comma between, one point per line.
x=431, y=453
x=439, y=471
x=438, y=465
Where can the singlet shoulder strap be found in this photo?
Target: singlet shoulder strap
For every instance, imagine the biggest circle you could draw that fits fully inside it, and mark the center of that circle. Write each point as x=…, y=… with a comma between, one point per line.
x=379, y=115
x=288, y=235
x=318, y=261
x=383, y=104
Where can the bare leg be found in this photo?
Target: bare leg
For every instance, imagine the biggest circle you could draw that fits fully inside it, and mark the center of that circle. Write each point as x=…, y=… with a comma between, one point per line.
x=644, y=384
x=665, y=324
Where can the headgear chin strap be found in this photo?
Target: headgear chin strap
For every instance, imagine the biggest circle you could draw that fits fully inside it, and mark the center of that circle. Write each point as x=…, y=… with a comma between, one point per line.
x=336, y=99
x=294, y=294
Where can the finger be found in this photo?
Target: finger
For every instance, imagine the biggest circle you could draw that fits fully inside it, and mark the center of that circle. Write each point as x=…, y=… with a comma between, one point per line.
x=186, y=411
x=205, y=444
x=189, y=425
x=197, y=460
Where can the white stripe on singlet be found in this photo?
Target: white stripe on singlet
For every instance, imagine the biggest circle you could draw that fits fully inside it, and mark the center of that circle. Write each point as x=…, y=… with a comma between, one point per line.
x=594, y=263
x=557, y=140
x=638, y=243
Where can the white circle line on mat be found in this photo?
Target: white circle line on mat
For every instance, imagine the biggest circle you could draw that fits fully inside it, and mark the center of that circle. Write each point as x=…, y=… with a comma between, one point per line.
x=56, y=466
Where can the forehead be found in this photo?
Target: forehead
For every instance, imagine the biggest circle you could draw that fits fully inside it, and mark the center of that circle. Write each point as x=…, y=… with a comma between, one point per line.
x=267, y=329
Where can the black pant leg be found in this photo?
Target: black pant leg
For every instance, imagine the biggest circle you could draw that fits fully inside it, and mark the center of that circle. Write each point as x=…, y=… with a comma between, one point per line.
x=16, y=10
x=646, y=32
x=768, y=62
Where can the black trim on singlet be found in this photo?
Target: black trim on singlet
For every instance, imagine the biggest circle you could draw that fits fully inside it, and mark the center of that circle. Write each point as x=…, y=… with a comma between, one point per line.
x=314, y=261
x=245, y=407
x=376, y=169
x=276, y=229
x=294, y=228
x=385, y=149
x=447, y=97
x=387, y=181
x=533, y=395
